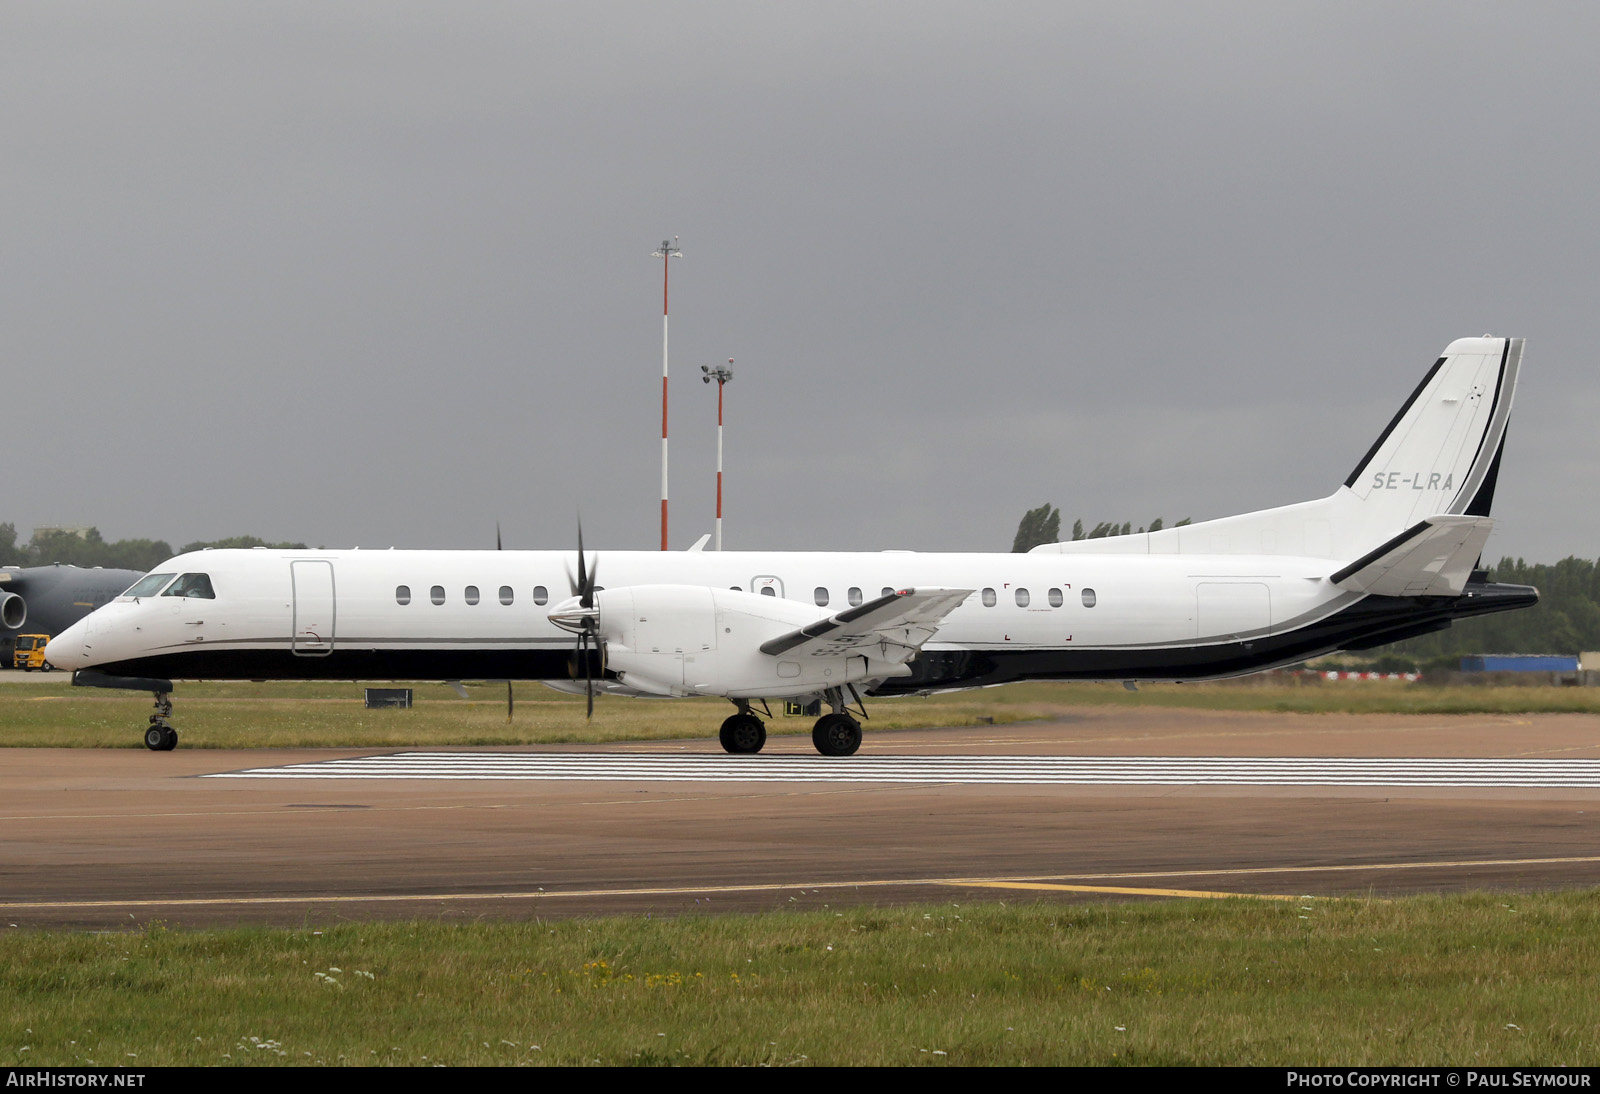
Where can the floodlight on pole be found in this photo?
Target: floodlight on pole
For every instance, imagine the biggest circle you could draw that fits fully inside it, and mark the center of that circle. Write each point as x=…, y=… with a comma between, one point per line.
x=669, y=250
x=721, y=374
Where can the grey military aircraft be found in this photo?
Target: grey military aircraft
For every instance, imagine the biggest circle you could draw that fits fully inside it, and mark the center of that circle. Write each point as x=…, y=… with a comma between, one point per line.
x=49, y=599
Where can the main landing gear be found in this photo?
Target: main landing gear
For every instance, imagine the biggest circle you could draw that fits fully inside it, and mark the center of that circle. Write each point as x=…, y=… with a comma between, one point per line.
x=743, y=733
x=835, y=734
x=160, y=736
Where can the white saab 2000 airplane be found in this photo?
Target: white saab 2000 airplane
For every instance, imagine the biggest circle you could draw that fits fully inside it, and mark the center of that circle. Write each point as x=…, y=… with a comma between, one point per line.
x=1391, y=553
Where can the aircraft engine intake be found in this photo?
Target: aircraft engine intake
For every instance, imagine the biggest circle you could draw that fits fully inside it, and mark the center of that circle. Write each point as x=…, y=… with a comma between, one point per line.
x=13, y=611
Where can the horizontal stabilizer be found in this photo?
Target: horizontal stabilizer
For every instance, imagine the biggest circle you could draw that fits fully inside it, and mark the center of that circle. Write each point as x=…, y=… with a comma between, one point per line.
x=1433, y=558
x=897, y=624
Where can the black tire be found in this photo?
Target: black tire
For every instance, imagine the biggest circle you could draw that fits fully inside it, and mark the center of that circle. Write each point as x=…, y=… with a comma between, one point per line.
x=155, y=737
x=170, y=740
x=743, y=734
x=836, y=735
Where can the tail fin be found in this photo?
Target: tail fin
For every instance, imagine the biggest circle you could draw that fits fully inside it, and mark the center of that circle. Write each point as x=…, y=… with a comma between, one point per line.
x=1440, y=456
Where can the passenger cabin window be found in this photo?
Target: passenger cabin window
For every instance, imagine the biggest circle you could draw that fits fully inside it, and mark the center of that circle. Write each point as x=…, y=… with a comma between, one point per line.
x=768, y=590
x=540, y=594
x=1022, y=598
x=886, y=591
x=148, y=585
x=1055, y=598
x=402, y=594
x=988, y=598
x=197, y=586
x=505, y=594
x=854, y=596
x=1088, y=598
x=821, y=596
x=436, y=594
x=472, y=594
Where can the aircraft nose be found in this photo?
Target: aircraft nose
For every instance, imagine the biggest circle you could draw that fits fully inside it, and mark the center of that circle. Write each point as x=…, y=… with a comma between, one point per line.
x=69, y=649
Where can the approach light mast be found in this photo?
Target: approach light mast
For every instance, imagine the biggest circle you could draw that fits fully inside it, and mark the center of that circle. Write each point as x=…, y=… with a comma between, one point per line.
x=668, y=251
x=721, y=374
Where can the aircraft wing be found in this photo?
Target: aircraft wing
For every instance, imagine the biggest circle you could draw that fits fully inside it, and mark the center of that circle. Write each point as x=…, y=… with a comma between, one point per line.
x=1433, y=558
x=895, y=626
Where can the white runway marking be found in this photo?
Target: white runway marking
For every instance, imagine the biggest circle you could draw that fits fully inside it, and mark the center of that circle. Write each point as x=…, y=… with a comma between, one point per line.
x=1038, y=770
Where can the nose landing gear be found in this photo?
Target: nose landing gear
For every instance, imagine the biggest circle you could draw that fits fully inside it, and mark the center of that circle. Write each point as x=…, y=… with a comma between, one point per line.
x=160, y=736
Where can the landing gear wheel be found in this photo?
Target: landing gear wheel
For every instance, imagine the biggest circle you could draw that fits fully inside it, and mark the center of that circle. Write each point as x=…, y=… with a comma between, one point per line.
x=836, y=735
x=160, y=736
x=742, y=734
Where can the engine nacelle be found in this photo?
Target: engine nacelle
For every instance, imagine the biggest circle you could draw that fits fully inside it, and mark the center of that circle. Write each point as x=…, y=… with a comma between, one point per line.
x=692, y=640
x=13, y=611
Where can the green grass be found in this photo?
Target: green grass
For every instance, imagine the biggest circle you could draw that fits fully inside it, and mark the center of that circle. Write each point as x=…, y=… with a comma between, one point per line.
x=281, y=715
x=1480, y=979
x=244, y=715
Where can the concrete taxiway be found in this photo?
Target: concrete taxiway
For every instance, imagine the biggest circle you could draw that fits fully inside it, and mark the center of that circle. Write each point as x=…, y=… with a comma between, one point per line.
x=97, y=839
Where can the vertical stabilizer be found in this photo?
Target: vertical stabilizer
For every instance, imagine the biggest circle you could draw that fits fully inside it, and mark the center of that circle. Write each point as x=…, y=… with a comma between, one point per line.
x=1441, y=452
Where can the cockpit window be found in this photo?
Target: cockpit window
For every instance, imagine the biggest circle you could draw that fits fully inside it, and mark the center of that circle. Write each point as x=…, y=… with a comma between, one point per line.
x=192, y=585
x=148, y=585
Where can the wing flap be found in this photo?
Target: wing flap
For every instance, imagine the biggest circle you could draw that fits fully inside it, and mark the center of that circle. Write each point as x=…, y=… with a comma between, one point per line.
x=895, y=626
x=1432, y=558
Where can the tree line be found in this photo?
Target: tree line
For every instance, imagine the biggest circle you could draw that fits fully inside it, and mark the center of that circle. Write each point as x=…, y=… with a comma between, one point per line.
x=1565, y=621
x=91, y=549
x=1043, y=525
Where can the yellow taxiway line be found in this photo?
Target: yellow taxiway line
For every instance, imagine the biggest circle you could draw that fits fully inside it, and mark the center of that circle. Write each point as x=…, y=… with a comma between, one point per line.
x=1056, y=882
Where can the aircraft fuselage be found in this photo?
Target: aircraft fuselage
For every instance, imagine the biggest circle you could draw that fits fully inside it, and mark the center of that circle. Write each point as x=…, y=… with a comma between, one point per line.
x=430, y=615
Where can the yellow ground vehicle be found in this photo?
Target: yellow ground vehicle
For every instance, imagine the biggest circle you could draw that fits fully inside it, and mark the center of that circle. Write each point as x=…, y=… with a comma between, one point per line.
x=29, y=654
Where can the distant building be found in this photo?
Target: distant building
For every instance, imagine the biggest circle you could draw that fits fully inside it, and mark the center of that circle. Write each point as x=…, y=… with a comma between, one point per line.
x=79, y=530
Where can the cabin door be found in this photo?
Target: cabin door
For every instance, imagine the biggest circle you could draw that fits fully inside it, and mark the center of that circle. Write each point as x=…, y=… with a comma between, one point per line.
x=312, y=581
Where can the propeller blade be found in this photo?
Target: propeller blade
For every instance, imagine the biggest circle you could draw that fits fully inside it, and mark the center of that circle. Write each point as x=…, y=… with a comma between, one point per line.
x=497, y=546
x=511, y=702
x=584, y=589
x=586, y=575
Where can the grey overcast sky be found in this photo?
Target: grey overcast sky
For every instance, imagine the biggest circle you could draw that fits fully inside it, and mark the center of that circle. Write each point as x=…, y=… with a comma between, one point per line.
x=378, y=273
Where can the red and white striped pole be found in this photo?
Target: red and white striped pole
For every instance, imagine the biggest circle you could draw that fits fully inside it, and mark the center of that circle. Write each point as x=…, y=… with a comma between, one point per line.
x=719, y=466
x=668, y=251
x=721, y=374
